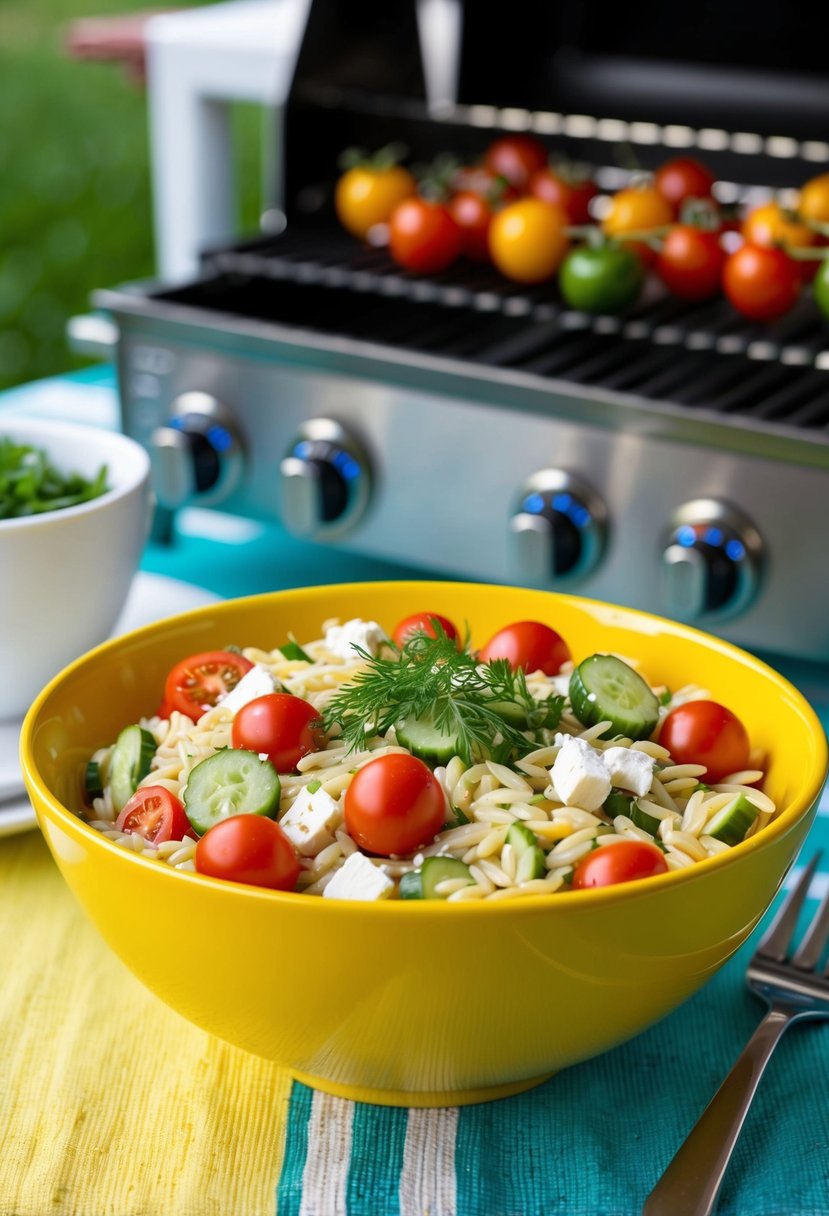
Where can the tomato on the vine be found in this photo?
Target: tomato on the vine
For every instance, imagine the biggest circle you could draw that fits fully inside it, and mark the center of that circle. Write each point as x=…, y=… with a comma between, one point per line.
x=473, y=215
x=516, y=158
x=771, y=225
x=394, y=805
x=530, y=645
x=423, y=236
x=477, y=179
x=601, y=278
x=528, y=240
x=251, y=849
x=154, y=813
x=813, y=202
x=422, y=622
x=690, y=262
x=683, y=178
x=637, y=209
x=572, y=194
x=761, y=283
x=615, y=863
x=367, y=193
x=281, y=726
x=705, y=732
x=199, y=682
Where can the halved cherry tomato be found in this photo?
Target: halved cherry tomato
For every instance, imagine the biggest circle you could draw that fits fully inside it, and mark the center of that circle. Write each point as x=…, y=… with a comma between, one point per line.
x=197, y=683
x=761, y=283
x=516, y=158
x=573, y=195
x=473, y=215
x=690, y=262
x=530, y=645
x=156, y=814
x=248, y=848
x=367, y=194
x=772, y=225
x=615, y=863
x=281, y=726
x=528, y=240
x=638, y=209
x=683, y=178
x=422, y=622
x=705, y=732
x=394, y=805
x=423, y=237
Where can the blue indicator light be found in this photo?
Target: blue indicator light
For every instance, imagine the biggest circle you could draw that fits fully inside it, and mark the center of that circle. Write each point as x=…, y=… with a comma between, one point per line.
x=220, y=437
x=579, y=515
x=736, y=550
x=176, y=424
x=562, y=502
x=346, y=465
x=302, y=449
x=686, y=536
x=713, y=536
x=534, y=503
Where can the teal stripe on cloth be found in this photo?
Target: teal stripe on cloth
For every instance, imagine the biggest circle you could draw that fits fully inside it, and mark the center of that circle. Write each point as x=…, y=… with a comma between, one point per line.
x=378, y=1135
x=289, y=1187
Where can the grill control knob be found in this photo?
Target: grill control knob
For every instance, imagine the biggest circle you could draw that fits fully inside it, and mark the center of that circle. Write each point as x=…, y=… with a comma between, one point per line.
x=711, y=563
x=559, y=528
x=197, y=454
x=326, y=481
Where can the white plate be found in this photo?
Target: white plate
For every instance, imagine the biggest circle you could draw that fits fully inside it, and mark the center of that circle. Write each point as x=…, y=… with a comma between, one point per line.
x=151, y=597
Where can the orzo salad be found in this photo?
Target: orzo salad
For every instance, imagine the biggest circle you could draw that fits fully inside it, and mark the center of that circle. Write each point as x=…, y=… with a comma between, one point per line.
x=418, y=766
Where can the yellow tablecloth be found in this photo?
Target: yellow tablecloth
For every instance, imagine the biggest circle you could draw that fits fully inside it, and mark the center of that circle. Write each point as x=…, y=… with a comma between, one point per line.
x=110, y=1103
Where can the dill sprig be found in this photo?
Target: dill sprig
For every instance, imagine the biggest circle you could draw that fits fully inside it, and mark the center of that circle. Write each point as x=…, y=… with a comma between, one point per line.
x=432, y=680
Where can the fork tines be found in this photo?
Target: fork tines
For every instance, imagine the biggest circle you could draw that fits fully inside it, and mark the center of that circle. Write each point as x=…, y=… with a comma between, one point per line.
x=776, y=941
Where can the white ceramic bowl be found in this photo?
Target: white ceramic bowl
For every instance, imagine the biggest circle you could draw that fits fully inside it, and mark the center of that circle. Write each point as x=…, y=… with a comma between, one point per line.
x=65, y=574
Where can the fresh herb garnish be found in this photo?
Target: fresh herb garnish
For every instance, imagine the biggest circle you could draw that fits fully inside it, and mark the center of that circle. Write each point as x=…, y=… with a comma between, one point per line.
x=31, y=485
x=433, y=680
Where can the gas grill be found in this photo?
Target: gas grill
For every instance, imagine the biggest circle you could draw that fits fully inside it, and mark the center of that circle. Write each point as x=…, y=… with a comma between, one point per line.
x=674, y=458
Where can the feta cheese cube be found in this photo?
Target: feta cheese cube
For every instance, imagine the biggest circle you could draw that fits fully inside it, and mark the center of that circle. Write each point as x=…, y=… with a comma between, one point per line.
x=359, y=878
x=579, y=774
x=257, y=682
x=341, y=639
x=629, y=770
x=311, y=821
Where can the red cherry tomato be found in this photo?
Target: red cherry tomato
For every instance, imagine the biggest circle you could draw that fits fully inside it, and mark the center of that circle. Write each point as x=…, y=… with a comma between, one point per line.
x=761, y=283
x=196, y=684
x=681, y=179
x=530, y=645
x=473, y=215
x=516, y=158
x=156, y=814
x=691, y=262
x=615, y=863
x=422, y=622
x=248, y=848
x=284, y=727
x=480, y=180
x=394, y=805
x=423, y=237
x=573, y=197
x=705, y=732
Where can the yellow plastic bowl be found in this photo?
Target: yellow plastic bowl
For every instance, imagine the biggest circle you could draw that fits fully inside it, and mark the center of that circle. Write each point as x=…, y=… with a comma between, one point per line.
x=419, y=1003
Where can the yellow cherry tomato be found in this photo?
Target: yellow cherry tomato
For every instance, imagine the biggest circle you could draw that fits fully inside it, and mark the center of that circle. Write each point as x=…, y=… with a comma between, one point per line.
x=366, y=196
x=814, y=200
x=528, y=240
x=771, y=225
x=637, y=208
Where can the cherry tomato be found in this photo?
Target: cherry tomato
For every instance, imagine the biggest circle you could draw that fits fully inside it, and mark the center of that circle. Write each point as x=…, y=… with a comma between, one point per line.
x=637, y=209
x=690, y=262
x=366, y=195
x=196, y=684
x=573, y=196
x=394, y=805
x=771, y=225
x=683, y=178
x=248, y=848
x=480, y=180
x=156, y=814
x=601, y=278
x=473, y=215
x=761, y=283
x=423, y=237
x=284, y=727
x=705, y=732
x=813, y=204
x=516, y=158
x=422, y=622
x=615, y=863
x=528, y=240
x=530, y=645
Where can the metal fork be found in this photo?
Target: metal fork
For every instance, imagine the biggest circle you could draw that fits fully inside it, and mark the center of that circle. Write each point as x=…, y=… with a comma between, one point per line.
x=794, y=991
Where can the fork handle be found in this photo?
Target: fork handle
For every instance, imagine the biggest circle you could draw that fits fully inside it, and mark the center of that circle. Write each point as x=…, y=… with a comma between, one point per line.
x=691, y=1183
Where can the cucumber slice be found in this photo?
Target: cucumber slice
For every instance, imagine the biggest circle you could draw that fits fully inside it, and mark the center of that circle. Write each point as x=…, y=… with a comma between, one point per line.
x=292, y=650
x=93, y=785
x=731, y=823
x=512, y=713
x=130, y=762
x=605, y=689
x=437, y=869
x=529, y=856
x=411, y=885
x=230, y=782
x=427, y=741
x=619, y=803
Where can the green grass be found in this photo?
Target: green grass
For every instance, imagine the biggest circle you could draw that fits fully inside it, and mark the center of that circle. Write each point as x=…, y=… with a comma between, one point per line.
x=75, y=202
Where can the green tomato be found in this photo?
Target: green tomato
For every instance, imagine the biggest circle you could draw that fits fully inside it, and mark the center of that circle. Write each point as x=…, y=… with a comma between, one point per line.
x=601, y=278
x=820, y=287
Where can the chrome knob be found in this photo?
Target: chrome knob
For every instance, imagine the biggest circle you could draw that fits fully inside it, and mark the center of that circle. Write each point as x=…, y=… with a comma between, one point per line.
x=711, y=561
x=196, y=455
x=559, y=529
x=325, y=481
